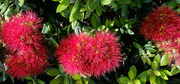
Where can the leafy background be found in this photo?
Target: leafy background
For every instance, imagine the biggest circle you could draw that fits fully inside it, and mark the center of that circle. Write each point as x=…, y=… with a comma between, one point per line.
x=142, y=63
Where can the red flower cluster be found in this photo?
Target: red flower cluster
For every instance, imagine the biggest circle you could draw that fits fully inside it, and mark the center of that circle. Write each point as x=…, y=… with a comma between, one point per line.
x=163, y=27
x=161, y=24
x=91, y=55
x=22, y=37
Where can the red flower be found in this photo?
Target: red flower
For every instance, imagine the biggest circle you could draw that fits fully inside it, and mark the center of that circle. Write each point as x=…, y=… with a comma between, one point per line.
x=161, y=24
x=92, y=55
x=23, y=38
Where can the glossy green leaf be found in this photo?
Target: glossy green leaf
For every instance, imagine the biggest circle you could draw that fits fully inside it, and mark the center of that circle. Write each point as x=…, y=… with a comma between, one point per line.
x=66, y=13
x=94, y=21
x=163, y=75
x=175, y=70
x=151, y=50
x=117, y=23
x=166, y=72
x=138, y=46
x=158, y=80
x=5, y=6
x=63, y=5
x=105, y=2
x=88, y=13
x=136, y=81
x=99, y=10
x=138, y=2
x=164, y=60
x=53, y=43
x=157, y=58
x=148, y=60
x=28, y=78
x=123, y=79
x=40, y=81
x=130, y=82
x=130, y=32
x=56, y=80
x=21, y=2
x=76, y=77
x=143, y=80
x=154, y=65
x=152, y=78
x=131, y=74
x=157, y=73
x=149, y=71
x=122, y=21
x=143, y=74
x=75, y=10
x=52, y=71
x=124, y=9
x=133, y=69
x=80, y=16
x=92, y=4
x=173, y=4
x=101, y=27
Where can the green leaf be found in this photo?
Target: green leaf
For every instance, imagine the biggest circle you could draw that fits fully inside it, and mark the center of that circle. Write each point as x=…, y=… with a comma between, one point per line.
x=157, y=58
x=164, y=60
x=80, y=16
x=66, y=80
x=105, y=2
x=173, y=4
x=75, y=10
x=130, y=82
x=123, y=80
x=131, y=74
x=149, y=71
x=166, y=72
x=117, y=23
x=127, y=1
x=151, y=50
x=88, y=13
x=143, y=80
x=94, y=21
x=138, y=2
x=40, y=81
x=52, y=71
x=163, y=75
x=66, y=13
x=154, y=65
x=92, y=4
x=63, y=5
x=174, y=71
x=157, y=73
x=53, y=43
x=133, y=69
x=136, y=81
x=101, y=27
x=21, y=2
x=138, y=46
x=122, y=21
x=124, y=9
x=28, y=78
x=146, y=1
x=152, y=78
x=5, y=6
x=148, y=60
x=158, y=80
x=163, y=81
x=120, y=1
x=76, y=77
x=56, y=80
x=130, y=32
x=99, y=10
x=143, y=74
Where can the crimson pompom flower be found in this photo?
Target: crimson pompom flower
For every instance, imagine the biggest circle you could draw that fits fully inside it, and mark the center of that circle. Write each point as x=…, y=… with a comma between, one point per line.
x=161, y=24
x=23, y=38
x=89, y=55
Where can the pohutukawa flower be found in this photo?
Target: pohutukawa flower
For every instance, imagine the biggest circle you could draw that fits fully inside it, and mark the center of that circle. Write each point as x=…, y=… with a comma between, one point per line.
x=91, y=55
x=23, y=38
x=161, y=24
